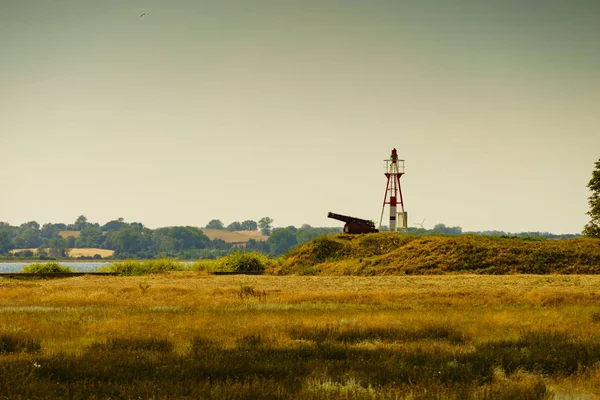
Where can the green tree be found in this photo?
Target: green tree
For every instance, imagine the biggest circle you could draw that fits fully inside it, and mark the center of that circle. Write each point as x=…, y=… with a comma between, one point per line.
x=188, y=237
x=90, y=237
x=30, y=225
x=5, y=242
x=57, y=247
x=265, y=225
x=282, y=240
x=234, y=226
x=592, y=228
x=28, y=238
x=249, y=225
x=80, y=223
x=114, y=225
x=215, y=224
x=127, y=240
x=49, y=231
x=447, y=230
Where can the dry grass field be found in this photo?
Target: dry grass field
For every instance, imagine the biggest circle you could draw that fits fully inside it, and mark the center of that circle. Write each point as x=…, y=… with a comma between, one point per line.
x=89, y=252
x=235, y=236
x=196, y=335
x=68, y=234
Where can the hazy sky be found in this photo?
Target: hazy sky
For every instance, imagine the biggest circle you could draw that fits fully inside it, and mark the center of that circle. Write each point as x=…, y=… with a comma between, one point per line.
x=242, y=109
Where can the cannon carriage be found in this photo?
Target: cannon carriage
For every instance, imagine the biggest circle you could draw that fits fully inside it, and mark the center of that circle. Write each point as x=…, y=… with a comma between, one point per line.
x=354, y=225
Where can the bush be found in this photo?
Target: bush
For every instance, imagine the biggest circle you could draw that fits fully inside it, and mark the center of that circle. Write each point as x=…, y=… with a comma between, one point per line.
x=250, y=261
x=205, y=265
x=48, y=268
x=135, y=267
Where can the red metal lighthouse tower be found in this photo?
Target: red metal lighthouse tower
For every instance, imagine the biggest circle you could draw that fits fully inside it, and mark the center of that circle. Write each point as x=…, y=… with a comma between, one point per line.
x=394, y=169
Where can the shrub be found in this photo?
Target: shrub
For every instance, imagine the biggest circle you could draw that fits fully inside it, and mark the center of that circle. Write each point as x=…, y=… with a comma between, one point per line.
x=205, y=265
x=250, y=261
x=135, y=267
x=48, y=268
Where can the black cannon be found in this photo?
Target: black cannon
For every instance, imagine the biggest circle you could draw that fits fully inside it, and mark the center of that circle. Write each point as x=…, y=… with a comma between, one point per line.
x=353, y=224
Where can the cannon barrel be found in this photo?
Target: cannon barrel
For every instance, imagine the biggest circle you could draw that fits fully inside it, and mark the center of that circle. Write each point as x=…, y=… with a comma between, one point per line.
x=347, y=219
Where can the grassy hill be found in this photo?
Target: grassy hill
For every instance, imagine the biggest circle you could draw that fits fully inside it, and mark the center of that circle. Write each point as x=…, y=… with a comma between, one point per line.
x=398, y=254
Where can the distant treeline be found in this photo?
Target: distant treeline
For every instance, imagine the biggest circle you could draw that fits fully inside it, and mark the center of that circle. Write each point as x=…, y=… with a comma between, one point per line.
x=457, y=230
x=134, y=240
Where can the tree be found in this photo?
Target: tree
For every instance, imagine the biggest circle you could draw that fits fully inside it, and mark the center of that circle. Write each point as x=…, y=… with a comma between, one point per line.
x=80, y=223
x=114, y=225
x=30, y=225
x=282, y=240
x=234, y=226
x=57, y=247
x=127, y=240
x=28, y=238
x=447, y=230
x=249, y=225
x=265, y=224
x=49, y=231
x=215, y=224
x=188, y=237
x=592, y=228
x=5, y=244
x=90, y=237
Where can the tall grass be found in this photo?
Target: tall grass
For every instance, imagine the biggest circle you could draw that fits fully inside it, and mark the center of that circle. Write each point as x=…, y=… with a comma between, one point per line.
x=137, y=267
x=244, y=337
x=12, y=343
x=398, y=254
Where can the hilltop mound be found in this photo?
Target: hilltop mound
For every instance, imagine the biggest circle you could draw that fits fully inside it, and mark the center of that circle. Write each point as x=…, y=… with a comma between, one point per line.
x=399, y=254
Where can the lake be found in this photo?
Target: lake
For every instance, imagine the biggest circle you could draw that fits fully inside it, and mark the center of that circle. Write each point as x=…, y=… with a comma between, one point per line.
x=75, y=266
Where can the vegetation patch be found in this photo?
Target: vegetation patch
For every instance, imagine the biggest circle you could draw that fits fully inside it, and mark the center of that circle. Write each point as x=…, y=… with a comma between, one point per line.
x=12, y=343
x=47, y=268
x=400, y=254
x=137, y=267
x=202, y=336
x=115, y=345
x=248, y=261
x=353, y=334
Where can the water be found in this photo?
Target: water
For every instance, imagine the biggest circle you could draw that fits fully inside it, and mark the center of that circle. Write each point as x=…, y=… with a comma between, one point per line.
x=75, y=266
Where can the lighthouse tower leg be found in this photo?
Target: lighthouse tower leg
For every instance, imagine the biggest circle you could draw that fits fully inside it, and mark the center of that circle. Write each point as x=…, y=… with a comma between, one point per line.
x=394, y=169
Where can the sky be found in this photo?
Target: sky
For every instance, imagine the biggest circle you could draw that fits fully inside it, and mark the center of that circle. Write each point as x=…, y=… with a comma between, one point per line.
x=239, y=109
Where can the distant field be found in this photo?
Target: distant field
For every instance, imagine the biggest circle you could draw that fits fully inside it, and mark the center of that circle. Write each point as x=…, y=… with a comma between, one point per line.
x=68, y=234
x=84, y=252
x=234, y=237
x=90, y=252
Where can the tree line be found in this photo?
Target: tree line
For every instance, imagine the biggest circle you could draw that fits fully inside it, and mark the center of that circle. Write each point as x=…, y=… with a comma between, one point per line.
x=133, y=239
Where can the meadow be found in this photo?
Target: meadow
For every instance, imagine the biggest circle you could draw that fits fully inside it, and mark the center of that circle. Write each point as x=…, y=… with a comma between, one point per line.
x=190, y=334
